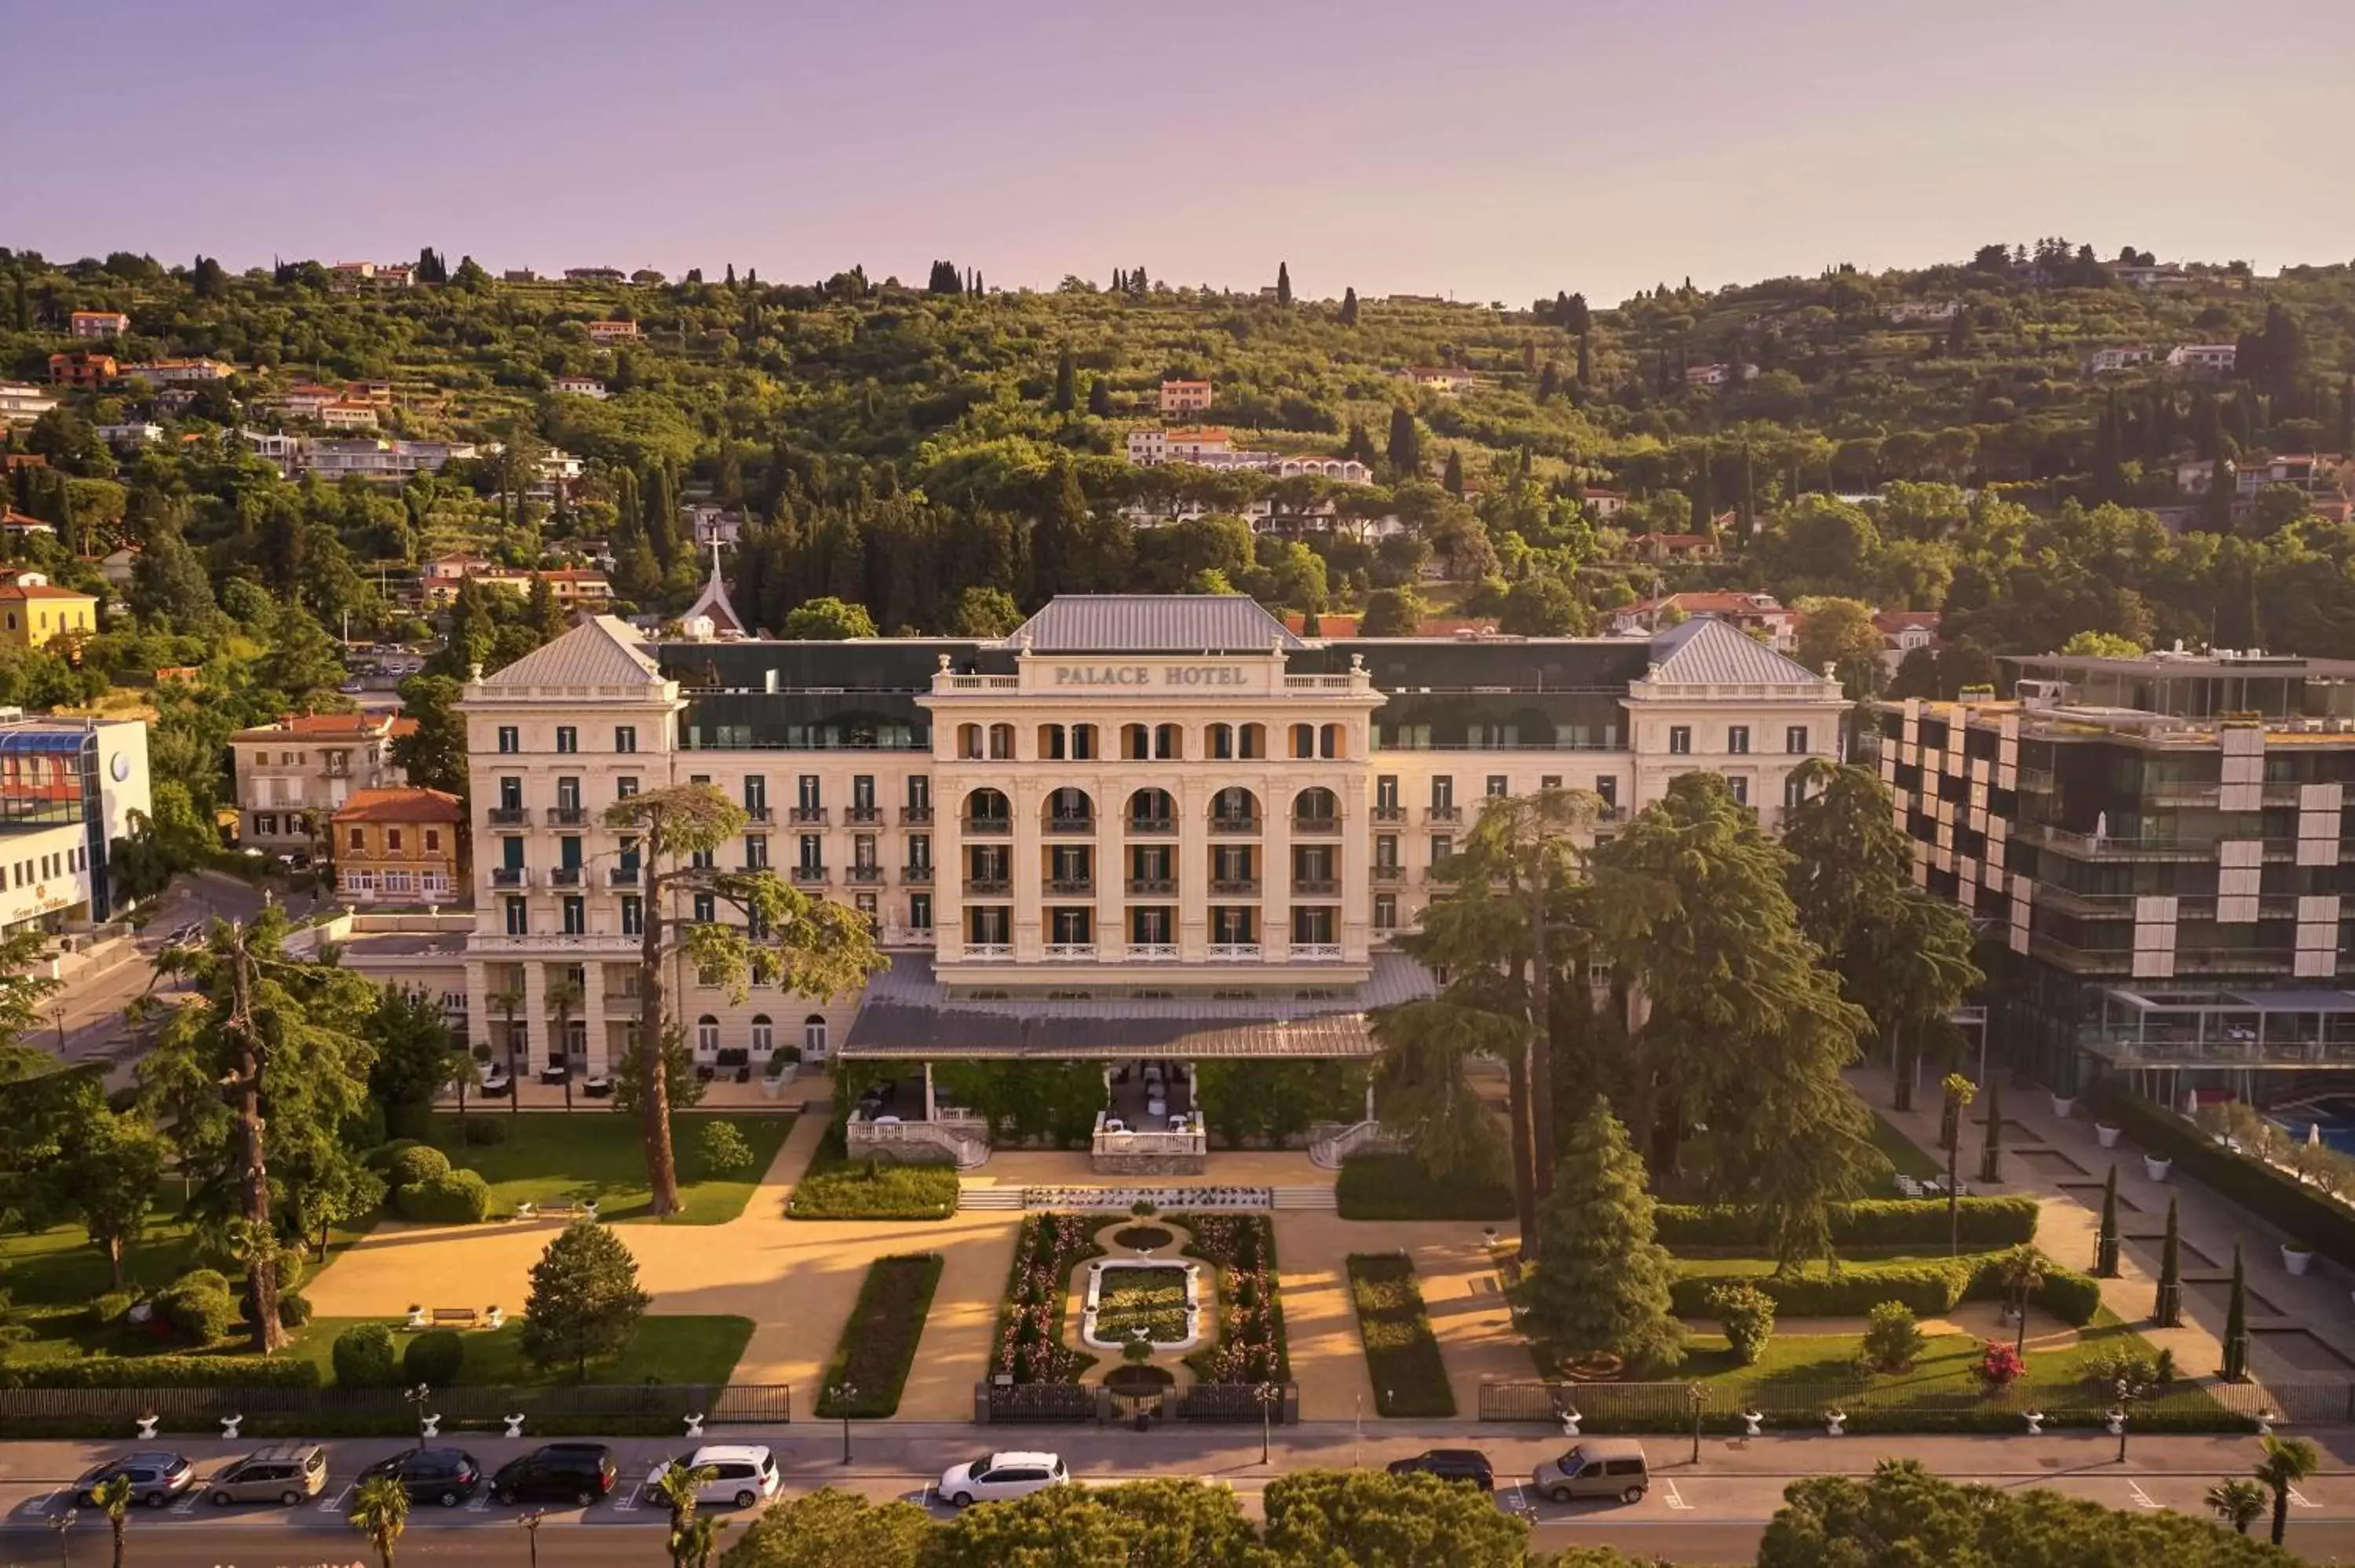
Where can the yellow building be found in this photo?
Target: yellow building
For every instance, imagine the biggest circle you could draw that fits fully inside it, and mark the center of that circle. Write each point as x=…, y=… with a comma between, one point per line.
x=397, y=846
x=34, y=612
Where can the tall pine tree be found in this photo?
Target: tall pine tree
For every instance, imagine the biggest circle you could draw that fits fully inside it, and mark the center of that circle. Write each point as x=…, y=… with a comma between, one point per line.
x=1282, y=284
x=1349, y=307
x=1602, y=1286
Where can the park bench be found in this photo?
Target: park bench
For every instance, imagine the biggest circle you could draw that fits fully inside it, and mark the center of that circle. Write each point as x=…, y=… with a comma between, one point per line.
x=467, y=1315
x=557, y=1209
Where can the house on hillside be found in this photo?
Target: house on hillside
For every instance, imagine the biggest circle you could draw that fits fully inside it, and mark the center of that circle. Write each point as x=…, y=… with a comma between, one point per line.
x=1759, y=614
x=1445, y=380
x=610, y=332
x=579, y=386
x=1185, y=397
x=1911, y=311
x=98, y=323
x=82, y=367
x=2205, y=358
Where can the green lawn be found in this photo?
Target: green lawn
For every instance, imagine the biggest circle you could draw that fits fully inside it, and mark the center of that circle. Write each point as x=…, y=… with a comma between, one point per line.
x=548, y=1155
x=837, y=1187
x=1909, y=1159
x=1394, y=1187
x=1151, y=1300
x=1402, y=1356
x=686, y=1350
x=879, y=1343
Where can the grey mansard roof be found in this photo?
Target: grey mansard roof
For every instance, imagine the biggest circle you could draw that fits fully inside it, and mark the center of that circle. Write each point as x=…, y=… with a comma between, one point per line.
x=602, y=651
x=1707, y=651
x=1154, y=623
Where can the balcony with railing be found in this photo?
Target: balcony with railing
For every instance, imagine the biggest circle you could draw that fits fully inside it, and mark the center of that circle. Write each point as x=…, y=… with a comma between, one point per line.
x=866, y=875
x=809, y=875
x=1073, y=825
x=987, y=886
x=916, y=876
x=1390, y=814
x=1386, y=875
x=1233, y=952
x=988, y=827
x=1071, y=886
x=622, y=876
x=1315, y=886
x=1068, y=951
x=1147, y=827
x=1153, y=952
x=567, y=816
x=915, y=816
x=509, y=816
x=564, y=876
x=1315, y=825
x=1234, y=887
x=868, y=815
x=510, y=876
x=989, y=952
x=761, y=815
x=1151, y=886
x=1443, y=814
x=1232, y=824
x=809, y=816
x=1319, y=952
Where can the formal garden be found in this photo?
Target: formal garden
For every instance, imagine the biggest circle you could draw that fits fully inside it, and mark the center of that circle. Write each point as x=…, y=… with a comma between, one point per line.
x=596, y=1155
x=837, y=1187
x=870, y=1365
x=1402, y=1354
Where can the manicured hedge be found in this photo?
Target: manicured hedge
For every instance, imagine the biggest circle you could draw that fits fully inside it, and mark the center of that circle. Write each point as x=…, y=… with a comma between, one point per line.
x=1393, y=1186
x=165, y=1372
x=874, y=1190
x=879, y=1343
x=452, y=1198
x=433, y=1358
x=1402, y=1354
x=365, y=1357
x=1876, y=1222
x=2322, y=1222
x=1929, y=1286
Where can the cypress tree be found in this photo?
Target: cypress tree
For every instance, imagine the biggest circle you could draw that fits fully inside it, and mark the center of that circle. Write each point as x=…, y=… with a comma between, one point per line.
x=1453, y=479
x=2223, y=481
x=1405, y=444
x=1349, y=310
x=1549, y=381
x=2236, y=1323
x=2345, y=413
x=2166, y=1311
x=1991, y=1151
x=1100, y=397
x=1066, y=381
x=1282, y=284
x=2106, y=1244
x=1585, y=363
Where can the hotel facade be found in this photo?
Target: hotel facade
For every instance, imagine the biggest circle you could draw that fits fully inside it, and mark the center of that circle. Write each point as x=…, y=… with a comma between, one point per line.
x=1142, y=829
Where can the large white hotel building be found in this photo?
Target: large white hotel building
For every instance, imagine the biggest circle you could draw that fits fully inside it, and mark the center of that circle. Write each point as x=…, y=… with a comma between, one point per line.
x=1141, y=828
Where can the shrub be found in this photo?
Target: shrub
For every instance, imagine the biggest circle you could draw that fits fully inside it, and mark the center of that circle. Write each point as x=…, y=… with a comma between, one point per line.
x=204, y=1279
x=1872, y=1222
x=454, y=1198
x=417, y=1163
x=1396, y=1187
x=433, y=1357
x=368, y=1129
x=2312, y=1217
x=869, y=1190
x=1893, y=1340
x=2071, y=1297
x=2105, y=1369
x=482, y=1131
x=1999, y=1367
x=1927, y=1286
x=1747, y=1315
x=110, y=1307
x=293, y=1309
x=724, y=1151
x=196, y=1310
x=364, y=1357
x=381, y=1158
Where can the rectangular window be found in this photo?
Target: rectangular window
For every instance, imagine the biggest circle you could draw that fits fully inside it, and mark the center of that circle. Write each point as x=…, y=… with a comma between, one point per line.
x=625, y=787
x=1740, y=788
x=633, y=915
x=919, y=911
x=1386, y=793
x=568, y=739
x=919, y=852
x=626, y=737
x=919, y=793
x=707, y=909
x=1794, y=791
x=359, y=838
x=1737, y=740
x=862, y=791
x=1497, y=785
x=1386, y=851
x=1794, y=740
x=510, y=794
x=392, y=839
x=510, y=738
x=1680, y=740
x=567, y=794
x=576, y=915
x=1442, y=849
x=1606, y=790
x=868, y=909
x=1385, y=911
x=813, y=850
x=518, y=917
x=756, y=852
x=1443, y=794
x=808, y=793
x=433, y=840
x=756, y=795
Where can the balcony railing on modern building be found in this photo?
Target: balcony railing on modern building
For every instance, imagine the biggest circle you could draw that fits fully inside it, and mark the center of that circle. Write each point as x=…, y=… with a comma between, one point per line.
x=809, y=875
x=916, y=876
x=1149, y=886
x=815, y=816
x=915, y=816
x=509, y=816
x=1071, y=886
x=567, y=816
x=564, y=876
x=1234, y=887
x=1315, y=886
x=510, y=876
x=1073, y=825
x=867, y=875
x=988, y=827
x=1443, y=814
x=1141, y=827
x=987, y=886
x=1234, y=824
x=1315, y=825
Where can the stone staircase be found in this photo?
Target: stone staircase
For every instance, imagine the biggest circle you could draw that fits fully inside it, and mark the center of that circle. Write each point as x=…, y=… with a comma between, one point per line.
x=1308, y=1199
x=988, y=1195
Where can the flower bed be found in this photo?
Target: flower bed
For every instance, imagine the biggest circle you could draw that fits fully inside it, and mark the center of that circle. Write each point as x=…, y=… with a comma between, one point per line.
x=879, y=1343
x=1151, y=1301
x=1402, y=1355
x=1030, y=1346
x=1250, y=1348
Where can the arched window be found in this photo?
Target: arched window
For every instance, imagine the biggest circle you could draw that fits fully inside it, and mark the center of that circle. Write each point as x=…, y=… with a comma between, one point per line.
x=1314, y=806
x=1168, y=743
x=814, y=1035
x=1133, y=742
x=1255, y=741
x=1001, y=741
x=1220, y=740
x=987, y=806
x=707, y=1035
x=764, y=1037
x=1150, y=810
x=1070, y=811
x=969, y=742
x=1234, y=809
x=1328, y=740
x=1304, y=740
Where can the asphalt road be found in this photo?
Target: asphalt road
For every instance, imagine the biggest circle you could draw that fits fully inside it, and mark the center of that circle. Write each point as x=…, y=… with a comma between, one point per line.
x=1712, y=1512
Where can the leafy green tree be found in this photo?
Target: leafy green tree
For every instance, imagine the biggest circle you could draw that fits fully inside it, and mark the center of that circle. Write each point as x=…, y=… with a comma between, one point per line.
x=1839, y=635
x=1100, y=397
x=1066, y=396
x=265, y=1070
x=379, y=1510
x=1542, y=606
x=1991, y=1144
x=1364, y=1519
x=828, y=621
x=808, y=947
x=105, y=1174
x=2102, y=645
x=1140, y=1524
x=305, y=665
x=1424, y=1094
x=585, y=1302
x=415, y=1058
x=113, y=1497
x=1601, y=1286
x=433, y=755
x=832, y=1529
x=1390, y=612
x=1349, y=307
x=2287, y=1462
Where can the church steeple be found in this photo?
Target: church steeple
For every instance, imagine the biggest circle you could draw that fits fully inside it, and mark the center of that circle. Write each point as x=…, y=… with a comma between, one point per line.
x=713, y=605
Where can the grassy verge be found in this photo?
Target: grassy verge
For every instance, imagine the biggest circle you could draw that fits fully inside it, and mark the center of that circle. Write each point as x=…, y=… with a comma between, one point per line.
x=1393, y=1186
x=548, y=1157
x=879, y=1343
x=686, y=1350
x=836, y=1187
x=1402, y=1355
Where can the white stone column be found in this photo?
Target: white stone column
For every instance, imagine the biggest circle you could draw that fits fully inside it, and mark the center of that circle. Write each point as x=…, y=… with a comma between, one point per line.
x=533, y=1019
x=593, y=1018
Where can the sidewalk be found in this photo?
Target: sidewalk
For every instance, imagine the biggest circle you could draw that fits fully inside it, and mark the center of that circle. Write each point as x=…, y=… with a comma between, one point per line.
x=2302, y=1330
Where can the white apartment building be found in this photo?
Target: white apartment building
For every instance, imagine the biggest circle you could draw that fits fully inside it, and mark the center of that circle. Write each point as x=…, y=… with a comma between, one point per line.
x=2124, y=356
x=98, y=323
x=291, y=775
x=178, y=372
x=67, y=788
x=380, y=459
x=1143, y=826
x=1906, y=311
x=21, y=402
x=130, y=437
x=579, y=386
x=2210, y=358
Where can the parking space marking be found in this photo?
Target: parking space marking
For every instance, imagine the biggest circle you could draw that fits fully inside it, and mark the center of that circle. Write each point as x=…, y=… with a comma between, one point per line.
x=629, y=1504
x=45, y=1502
x=336, y=1504
x=187, y=1503
x=2142, y=1497
x=2299, y=1500
x=481, y=1503
x=1676, y=1498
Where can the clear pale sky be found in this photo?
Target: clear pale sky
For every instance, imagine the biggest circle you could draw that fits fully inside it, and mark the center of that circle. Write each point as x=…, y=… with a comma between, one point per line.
x=1473, y=147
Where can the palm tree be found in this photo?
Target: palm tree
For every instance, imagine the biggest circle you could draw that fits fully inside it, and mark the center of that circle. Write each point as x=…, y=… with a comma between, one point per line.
x=2237, y=1502
x=509, y=1003
x=680, y=1488
x=1960, y=1093
x=113, y=1498
x=2022, y=1270
x=563, y=996
x=380, y=1511
x=2287, y=1461
x=693, y=1542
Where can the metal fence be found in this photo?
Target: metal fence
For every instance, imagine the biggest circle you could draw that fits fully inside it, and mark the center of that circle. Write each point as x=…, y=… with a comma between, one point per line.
x=1897, y=1407
x=617, y=1409
x=1041, y=1402
x=1238, y=1402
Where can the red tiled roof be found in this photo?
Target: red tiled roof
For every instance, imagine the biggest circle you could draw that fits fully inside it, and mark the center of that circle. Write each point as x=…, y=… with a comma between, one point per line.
x=399, y=806
x=43, y=590
x=328, y=727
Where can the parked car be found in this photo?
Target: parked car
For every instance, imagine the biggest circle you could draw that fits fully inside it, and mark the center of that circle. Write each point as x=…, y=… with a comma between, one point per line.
x=1595, y=1467
x=743, y=1473
x=576, y=1473
x=283, y=1473
x=1467, y=1465
x=444, y=1475
x=995, y=1477
x=156, y=1478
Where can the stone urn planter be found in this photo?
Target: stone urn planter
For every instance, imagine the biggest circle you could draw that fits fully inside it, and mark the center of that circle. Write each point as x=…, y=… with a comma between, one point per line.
x=2106, y=1135
x=2296, y=1259
x=2155, y=1168
x=2064, y=1105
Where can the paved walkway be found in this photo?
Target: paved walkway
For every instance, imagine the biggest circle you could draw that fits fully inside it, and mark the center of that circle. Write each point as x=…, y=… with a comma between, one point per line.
x=2302, y=1328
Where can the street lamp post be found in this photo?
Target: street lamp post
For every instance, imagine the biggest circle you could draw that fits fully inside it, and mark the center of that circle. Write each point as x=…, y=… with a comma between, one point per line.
x=844, y=1392
x=1267, y=1394
x=530, y=1523
x=2125, y=1396
x=416, y=1397
x=1699, y=1402
x=63, y=1523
